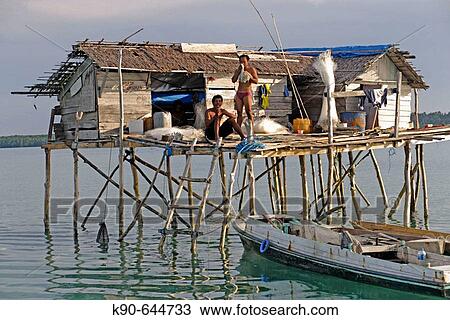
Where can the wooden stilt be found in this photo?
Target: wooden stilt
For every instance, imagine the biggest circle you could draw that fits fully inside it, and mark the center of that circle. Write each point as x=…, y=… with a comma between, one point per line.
x=76, y=192
x=269, y=184
x=305, y=193
x=321, y=180
x=241, y=199
x=47, y=187
x=379, y=178
x=276, y=183
x=330, y=182
x=121, y=147
x=397, y=201
x=407, y=175
x=363, y=196
x=424, y=184
x=190, y=196
x=418, y=179
x=170, y=186
x=355, y=201
x=314, y=182
x=252, y=191
x=135, y=174
x=228, y=199
x=341, y=186
x=284, y=185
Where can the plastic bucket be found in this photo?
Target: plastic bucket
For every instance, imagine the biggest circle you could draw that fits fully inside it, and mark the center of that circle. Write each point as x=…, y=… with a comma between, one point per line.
x=304, y=125
x=354, y=119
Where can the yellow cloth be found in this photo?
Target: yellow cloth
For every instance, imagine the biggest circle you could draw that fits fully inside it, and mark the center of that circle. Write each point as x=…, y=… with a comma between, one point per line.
x=265, y=96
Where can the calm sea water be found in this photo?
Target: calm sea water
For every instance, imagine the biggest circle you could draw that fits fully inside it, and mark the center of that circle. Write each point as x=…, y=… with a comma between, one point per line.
x=51, y=266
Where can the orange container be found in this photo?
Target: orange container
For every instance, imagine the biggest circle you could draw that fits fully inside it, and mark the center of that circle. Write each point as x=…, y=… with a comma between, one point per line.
x=304, y=125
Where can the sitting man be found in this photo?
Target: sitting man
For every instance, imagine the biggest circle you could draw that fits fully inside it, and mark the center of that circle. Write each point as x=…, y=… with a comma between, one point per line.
x=212, y=121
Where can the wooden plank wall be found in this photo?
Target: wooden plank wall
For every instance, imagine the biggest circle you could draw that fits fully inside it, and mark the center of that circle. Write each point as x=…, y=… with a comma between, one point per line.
x=137, y=99
x=84, y=100
x=279, y=105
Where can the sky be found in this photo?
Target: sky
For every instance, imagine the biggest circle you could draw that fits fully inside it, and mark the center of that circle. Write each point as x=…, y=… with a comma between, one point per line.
x=24, y=55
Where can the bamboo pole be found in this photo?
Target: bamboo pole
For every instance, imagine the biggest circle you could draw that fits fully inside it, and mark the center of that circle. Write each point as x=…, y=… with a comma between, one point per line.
x=397, y=103
x=305, y=193
x=241, y=199
x=355, y=201
x=47, y=188
x=424, y=184
x=284, y=187
x=190, y=195
x=269, y=184
x=314, y=182
x=363, y=196
x=379, y=178
x=407, y=175
x=397, y=201
x=341, y=187
x=276, y=182
x=170, y=186
x=76, y=192
x=228, y=198
x=135, y=175
x=252, y=193
x=418, y=179
x=330, y=177
x=321, y=180
x=121, y=148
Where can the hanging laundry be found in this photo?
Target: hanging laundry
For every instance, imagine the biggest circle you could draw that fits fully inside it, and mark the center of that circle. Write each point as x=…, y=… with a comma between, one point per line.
x=286, y=91
x=264, y=93
x=377, y=97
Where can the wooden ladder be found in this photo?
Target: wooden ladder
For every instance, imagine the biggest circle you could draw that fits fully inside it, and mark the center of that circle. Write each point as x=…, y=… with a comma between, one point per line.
x=174, y=204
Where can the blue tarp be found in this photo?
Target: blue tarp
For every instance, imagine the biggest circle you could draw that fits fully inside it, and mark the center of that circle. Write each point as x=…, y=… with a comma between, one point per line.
x=343, y=52
x=163, y=98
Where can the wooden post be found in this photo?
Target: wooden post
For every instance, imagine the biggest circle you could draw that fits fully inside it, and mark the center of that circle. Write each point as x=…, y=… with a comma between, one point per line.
x=401, y=193
x=279, y=185
x=241, y=199
x=170, y=186
x=228, y=197
x=321, y=180
x=190, y=196
x=424, y=184
x=121, y=124
x=416, y=109
x=76, y=192
x=269, y=184
x=341, y=185
x=284, y=187
x=251, y=181
x=314, y=182
x=380, y=179
x=276, y=186
x=135, y=175
x=330, y=181
x=397, y=103
x=305, y=193
x=407, y=204
x=47, y=188
x=353, y=186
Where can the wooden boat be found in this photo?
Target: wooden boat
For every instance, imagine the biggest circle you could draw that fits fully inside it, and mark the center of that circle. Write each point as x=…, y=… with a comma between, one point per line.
x=390, y=256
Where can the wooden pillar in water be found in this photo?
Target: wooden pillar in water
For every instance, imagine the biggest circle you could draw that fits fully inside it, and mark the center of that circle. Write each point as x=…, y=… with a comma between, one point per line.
x=355, y=201
x=121, y=146
x=321, y=180
x=47, y=188
x=284, y=186
x=137, y=194
x=170, y=185
x=227, y=200
x=269, y=184
x=424, y=184
x=407, y=175
x=251, y=181
x=314, y=184
x=330, y=182
x=76, y=191
x=190, y=196
x=305, y=193
x=379, y=178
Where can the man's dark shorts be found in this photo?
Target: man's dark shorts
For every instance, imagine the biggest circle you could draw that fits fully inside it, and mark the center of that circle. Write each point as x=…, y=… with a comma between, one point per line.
x=224, y=130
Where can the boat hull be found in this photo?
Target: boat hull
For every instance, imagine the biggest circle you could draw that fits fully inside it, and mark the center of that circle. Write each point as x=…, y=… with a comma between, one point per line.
x=296, y=259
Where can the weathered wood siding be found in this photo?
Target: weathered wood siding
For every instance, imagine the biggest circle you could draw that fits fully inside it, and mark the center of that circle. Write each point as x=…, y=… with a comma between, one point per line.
x=136, y=98
x=279, y=105
x=84, y=99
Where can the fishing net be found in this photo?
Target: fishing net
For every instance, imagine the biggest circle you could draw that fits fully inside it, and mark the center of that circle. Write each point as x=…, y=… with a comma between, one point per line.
x=188, y=133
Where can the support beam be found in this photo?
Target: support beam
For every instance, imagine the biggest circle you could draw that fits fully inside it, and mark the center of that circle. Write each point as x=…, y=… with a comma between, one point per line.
x=121, y=146
x=379, y=178
x=135, y=174
x=269, y=184
x=355, y=201
x=47, y=187
x=228, y=199
x=305, y=193
x=76, y=192
x=424, y=184
x=407, y=175
x=251, y=190
x=330, y=179
x=314, y=182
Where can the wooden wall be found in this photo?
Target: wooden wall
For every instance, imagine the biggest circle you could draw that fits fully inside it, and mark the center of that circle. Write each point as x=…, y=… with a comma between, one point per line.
x=137, y=98
x=84, y=99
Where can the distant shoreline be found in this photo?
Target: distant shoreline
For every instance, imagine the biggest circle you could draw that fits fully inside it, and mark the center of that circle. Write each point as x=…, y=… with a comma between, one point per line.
x=37, y=140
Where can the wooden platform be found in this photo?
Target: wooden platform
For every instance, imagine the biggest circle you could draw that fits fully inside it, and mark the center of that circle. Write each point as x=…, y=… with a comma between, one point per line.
x=287, y=145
